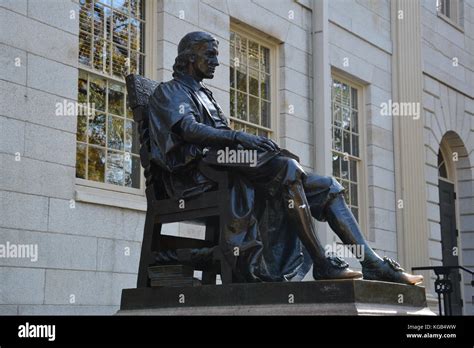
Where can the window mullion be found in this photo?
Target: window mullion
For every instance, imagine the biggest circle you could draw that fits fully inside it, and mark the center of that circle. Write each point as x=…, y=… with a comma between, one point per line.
x=87, y=127
x=106, y=129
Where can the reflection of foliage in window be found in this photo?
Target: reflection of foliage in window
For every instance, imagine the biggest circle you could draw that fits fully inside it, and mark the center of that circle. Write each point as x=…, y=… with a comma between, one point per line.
x=250, y=99
x=107, y=140
x=111, y=43
x=111, y=36
x=345, y=140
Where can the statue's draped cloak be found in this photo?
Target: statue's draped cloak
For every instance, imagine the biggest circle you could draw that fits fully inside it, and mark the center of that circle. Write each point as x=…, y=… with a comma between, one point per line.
x=259, y=241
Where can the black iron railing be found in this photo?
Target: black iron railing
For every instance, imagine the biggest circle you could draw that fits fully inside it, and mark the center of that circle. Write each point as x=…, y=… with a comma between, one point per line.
x=444, y=285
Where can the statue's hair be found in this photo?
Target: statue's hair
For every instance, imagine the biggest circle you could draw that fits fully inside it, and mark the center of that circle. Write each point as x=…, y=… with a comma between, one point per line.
x=186, y=48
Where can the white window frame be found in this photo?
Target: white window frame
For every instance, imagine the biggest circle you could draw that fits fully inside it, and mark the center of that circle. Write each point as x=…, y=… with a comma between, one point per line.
x=109, y=194
x=362, y=182
x=272, y=44
x=456, y=9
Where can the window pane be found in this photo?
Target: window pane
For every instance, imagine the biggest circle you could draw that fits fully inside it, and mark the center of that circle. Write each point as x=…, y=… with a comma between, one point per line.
x=346, y=118
x=132, y=143
x=265, y=86
x=266, y=114
x=354, y=101
x=344, y=169
x=140, y=63
x=346, y=192
x=232, y=77
x=241, y=50
x=121, y=5
x=85, y=44
x=116, y=133
x=81, y=128
x=353, y=170
x=232, y=103
x=96, y=131
x=135, y=8
x=337, y=139
x=85, y=16
x=232, y=48
x=129, y=110
x=337, y=91
x=101, y=55
x=97, y=93
x=96, y=165
x=265, y=59
x=115, y=170
x=241, y=106
x=336, y=165
x=354, y=122
x=120, y=29
x=347, y=142
x=355, y=145
x=241, y=79
x=253, y=110
x=345, y=89
x=253, y=54
x=336, y=115
x=102, y=21
x=81, y=161
x=82, y=89
x=354, y=198
x=116, y=99
x=119, y=60
x=253, y=82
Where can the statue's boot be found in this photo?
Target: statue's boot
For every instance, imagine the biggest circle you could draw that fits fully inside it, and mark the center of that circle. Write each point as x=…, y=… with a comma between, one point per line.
x=344, y=224
x=324, y=267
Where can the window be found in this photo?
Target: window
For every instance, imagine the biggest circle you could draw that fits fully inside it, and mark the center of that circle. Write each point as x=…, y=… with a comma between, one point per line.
x=442, y=170
x=346, y=159
x=111, y=36
x=251, y=89
x=110, y=47
x=451, y=9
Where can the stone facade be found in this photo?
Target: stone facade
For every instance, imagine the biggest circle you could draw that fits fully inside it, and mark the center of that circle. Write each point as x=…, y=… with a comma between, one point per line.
x=89, y=239
x=448, y=104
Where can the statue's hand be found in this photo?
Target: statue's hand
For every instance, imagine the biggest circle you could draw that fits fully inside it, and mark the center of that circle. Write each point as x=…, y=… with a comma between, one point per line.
x=250, y=141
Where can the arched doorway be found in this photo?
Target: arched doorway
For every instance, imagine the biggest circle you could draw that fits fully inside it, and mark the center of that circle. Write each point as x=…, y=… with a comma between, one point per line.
x=449, y=222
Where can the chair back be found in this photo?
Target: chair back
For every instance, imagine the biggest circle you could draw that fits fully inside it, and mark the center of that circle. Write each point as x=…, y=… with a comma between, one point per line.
x=139, y=90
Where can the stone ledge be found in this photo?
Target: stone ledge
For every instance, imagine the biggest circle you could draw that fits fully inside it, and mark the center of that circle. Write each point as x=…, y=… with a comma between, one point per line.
x=339, y=297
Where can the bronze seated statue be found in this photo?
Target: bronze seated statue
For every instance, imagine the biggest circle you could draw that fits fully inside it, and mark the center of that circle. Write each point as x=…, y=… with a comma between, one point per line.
x=273, y=199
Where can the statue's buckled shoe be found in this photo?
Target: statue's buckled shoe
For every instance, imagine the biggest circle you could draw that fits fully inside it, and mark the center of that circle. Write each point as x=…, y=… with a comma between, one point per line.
x=337, y=268
x=389, y=270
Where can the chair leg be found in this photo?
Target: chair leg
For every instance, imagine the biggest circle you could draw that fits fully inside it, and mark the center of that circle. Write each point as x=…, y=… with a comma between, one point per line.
x=146, y=252
x=225, y=267
x=209, y=277
x=226, y=272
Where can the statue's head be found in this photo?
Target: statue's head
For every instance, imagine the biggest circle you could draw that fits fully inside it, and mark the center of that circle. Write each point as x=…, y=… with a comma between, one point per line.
x=197, y=55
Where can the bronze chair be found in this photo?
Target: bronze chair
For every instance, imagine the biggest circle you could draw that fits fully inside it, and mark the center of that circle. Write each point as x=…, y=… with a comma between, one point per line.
x=208, y=209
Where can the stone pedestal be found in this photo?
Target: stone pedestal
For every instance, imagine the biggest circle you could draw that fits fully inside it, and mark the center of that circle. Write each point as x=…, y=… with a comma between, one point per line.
x=327, y=297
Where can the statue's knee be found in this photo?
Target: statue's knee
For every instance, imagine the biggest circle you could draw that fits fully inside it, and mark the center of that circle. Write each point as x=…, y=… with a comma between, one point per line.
x=294, y=171
x=335, y=186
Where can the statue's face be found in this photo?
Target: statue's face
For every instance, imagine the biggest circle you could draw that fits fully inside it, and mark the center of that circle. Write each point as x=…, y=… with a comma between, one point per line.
x=205, y=60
